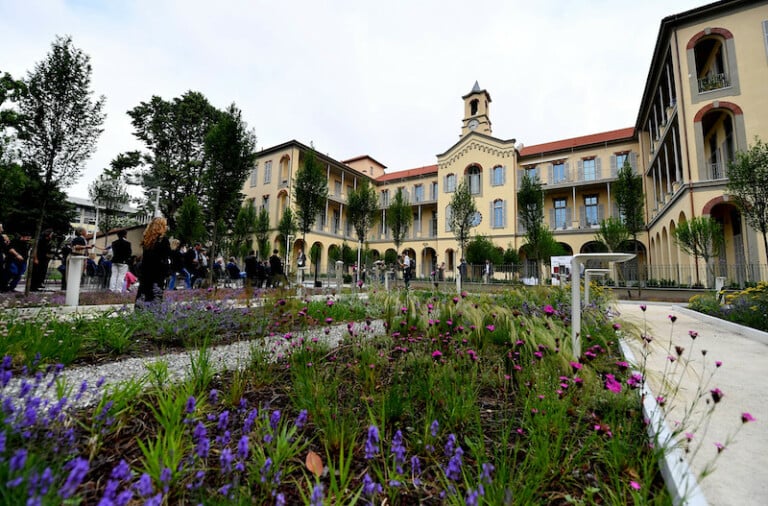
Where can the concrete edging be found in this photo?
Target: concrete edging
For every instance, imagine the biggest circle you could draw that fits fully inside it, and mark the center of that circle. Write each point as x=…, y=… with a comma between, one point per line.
x=748, y=332
x=678, y=476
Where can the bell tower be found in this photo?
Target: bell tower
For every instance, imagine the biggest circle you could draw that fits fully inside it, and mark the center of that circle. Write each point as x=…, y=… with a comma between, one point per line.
x=476, y=112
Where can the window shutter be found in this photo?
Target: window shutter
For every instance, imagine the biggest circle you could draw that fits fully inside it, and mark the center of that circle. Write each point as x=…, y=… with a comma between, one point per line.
x=445, y=184
x=765, y=33
x=520, y=173
x=568, y=217
x=567, y=174
x=582, y=216
x=600, y=212
x=552, y=223
x=580, y=175
x=613, y=165
x=633, y=160
x=598, y=169
x=503, y=174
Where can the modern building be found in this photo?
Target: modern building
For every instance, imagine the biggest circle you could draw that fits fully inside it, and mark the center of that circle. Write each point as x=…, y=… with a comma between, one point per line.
x=705, y=99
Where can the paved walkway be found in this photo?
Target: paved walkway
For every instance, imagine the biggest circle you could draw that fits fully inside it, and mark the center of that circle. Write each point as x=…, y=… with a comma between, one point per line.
x=741, y=469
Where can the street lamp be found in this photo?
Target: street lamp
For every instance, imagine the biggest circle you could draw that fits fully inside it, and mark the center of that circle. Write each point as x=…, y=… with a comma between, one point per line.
x=288, y=242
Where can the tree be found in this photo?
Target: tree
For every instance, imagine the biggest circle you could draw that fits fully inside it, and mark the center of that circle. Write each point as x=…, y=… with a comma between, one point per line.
x=12, y=177
x=190, y=225
x=748, y=184
x=108, y=193
x=462, y=218
x=399, y=217
x=261, y=231
x=62, y=121
x=229, y=148
x=612, y=234
x=701, y=236
x=530, y=200
x=630, y=201
x=310, y=192
x=175, y=161
x=480, y=249
x=244, y=229
x=362, y=209
x=286, y=227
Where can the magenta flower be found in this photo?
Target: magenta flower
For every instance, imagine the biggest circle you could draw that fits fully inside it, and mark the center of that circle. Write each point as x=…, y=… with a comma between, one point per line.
x=746, y=417
x=717, y=394
x=330, y=302
x=634, y=485
x=548, y=310
x=672, y=318
x=718, y=363
x=693, y=334
x=576, y=366
x=616, y=326
x=643, y=307
x=720, y=447
x=437, y=354
x=490, y=328
x=611, y=384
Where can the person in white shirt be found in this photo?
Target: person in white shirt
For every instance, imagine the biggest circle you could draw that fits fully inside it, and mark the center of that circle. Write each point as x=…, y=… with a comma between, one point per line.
x=406, y=270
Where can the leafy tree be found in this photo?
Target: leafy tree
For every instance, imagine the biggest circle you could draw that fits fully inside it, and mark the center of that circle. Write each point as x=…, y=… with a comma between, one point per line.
x=229, y=148
x=261, y=231
x=701, y=236
x=175, y=161
x=62, y=122
x=511, y=257
x=12, y=176
x=630, y=200
x=286, y=227
x=748, y=184
x=362, y=209
x=539, y=240
x=399, y=217
x=190, y=224
x=480, y=249
x=463, y=211
x=244, y=229
x=310, y=192
x=612, y=234
x=108, y=193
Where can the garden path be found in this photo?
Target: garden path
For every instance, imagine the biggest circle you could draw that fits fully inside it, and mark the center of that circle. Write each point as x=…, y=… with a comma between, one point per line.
x=739, y=478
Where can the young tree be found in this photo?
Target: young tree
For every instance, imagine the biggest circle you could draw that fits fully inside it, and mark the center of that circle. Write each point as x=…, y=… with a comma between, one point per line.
x=399, y=217
x=190, y=225
x=463, y=212
x=539, y=240
x=481, y=248
x=229, y=148
x=108, y=192
x=244, y=229
x=748, y=184
x=630, y=200
x=362, y=209
x=612, y=234
x=261, y=231
x=62, y=121
x=701, y=236
x=310, y=192
x=286, y=227
x=12, y=177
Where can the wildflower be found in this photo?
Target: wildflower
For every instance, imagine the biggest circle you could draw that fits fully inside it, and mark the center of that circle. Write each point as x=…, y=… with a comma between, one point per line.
x=190, y=406
x=672, y=318
x=643, y=307
x=437, y=354
x=616, y=326
x=329, y=302
x=746, y=417
x=450, y=445
x=679, y=350
x=718, y=363
x=490, y=328
x=242, y=448
x=576, y=366
x=265, y=469
x=317, y=495
x=78, y=470
x=434, y=427
x=214, y=396
x=622, y=365
x=18, y=460
x=471, y=499
x=488, y=469
x=301, y=420
x=720, y=447
x=455, y=300
x=693, y=334
x=398, y=450
x=415, y=470
x=370, y=487
x=634, y=485
x=611, y=383
x=280, y=499
x=548, y=310
x=371, y=444
x=717, y=394
x=226, y=460
x=688, y=436
x=453, y=470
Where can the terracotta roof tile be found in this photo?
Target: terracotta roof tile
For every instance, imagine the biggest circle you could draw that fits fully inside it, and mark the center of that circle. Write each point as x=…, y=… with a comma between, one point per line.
x=577, y=142
x=403, y=174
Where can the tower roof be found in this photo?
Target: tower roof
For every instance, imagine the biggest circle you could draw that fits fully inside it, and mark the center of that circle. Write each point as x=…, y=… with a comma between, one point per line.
x=476, y=89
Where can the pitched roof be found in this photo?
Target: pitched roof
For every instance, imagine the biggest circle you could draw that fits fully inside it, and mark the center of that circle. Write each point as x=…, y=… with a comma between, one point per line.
x=578, y=142
x=408, y=173
x=362, y=157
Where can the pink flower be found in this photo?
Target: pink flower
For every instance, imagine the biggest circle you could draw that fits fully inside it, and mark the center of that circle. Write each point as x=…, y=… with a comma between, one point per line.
x=718, y=363
x=330, y=302
x=548, y=310
x=616, y=326
x=611, y=383
x=688, y=436
x=693, y=334
x=720, y=447
x=643, y=307
x=436, y=354
x=746, y=417
x=576, y=366
x=717, y=394
x=634, y=485
x=672, y=318
x=490, y=328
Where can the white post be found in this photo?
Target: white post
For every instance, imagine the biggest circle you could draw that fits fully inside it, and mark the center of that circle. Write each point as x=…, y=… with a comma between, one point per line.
x=588, y=275
x=458, y=282
x=74, y=274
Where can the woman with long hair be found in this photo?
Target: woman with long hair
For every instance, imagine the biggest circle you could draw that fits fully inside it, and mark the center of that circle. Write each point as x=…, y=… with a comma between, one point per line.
x=154, y=262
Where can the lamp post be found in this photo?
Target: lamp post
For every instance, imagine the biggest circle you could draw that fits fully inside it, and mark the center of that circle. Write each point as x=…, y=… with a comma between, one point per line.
x=288, y=242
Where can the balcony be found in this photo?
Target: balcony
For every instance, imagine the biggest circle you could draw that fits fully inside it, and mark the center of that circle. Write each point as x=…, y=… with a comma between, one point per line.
x=717, y=171
x=283, y=184
x=713, y=82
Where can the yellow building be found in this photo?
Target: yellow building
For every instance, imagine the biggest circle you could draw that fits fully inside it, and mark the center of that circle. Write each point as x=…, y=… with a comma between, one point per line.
x=705, y=98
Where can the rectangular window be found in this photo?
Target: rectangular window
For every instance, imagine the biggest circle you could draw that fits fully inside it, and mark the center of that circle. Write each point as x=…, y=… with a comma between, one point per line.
x=265, y=202
x=450, y=183
x=590, y=210
x=418, y=193
x=498, y=214
x=416, y=224
x=268, y=172
x=474, y=183
x=255, y=175
x=336, y=221
x=384, y=198
x=498, y=176
x=433, y=190
x=337, y=188
x=620, y=159
x=590, y=172
x=558, y=172
x=532, y=173
x=560, y=214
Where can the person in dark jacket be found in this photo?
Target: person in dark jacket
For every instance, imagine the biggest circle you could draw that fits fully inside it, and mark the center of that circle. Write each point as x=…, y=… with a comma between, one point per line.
x=154, y=262
x=40, y=262
x=121, y=255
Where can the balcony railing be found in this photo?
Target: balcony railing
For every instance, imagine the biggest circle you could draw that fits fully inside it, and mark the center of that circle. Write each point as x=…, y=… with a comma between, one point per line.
x=717, y=171
x=713, y=82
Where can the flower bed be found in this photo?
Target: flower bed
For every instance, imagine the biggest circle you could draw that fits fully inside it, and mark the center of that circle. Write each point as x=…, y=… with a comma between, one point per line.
x=465, y=400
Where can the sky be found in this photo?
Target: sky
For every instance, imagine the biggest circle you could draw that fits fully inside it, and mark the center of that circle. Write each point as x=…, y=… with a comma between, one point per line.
x=377, y=78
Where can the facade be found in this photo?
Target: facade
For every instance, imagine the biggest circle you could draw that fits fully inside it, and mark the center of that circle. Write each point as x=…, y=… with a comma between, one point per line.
x=704, y=100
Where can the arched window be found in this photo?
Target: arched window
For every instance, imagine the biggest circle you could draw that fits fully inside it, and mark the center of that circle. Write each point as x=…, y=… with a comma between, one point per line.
x=498, y=214
x=712, y=54
x=448, y=219
x=449, y=183
x=474, y=180
x=498, y=176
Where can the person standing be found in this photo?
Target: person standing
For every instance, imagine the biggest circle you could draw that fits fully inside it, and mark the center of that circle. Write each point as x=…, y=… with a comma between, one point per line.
x=487, y=272
x=154, y=262
x=121, y=254
x=463, y=272
x=406, y=270
x=15, y=262
x=40, y=262
x=276, y=270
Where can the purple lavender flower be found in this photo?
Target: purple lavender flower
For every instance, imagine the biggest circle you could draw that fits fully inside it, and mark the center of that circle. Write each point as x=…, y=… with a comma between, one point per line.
x=18, y=460
x=226, y=460
x=190, y=406
x=280, y=499
x=249, y=420
x=415, y=470
x=223, y=420
x=242, y=448
x=370, y=487
x=264, y=471
x=121, y=471
x=144, y=486
x=471, y=499
x=372, y=443
x=301, y=420
x=317, y=495
x=274, y=419
x=434, y=427
x=485, y=475
x=213, y=396
x=453, y=470
x=78, y=469
x=450, y=445
x=398, y=450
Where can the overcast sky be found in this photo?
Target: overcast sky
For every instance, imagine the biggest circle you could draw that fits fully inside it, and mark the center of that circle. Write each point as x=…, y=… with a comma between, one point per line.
x=383, y=78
